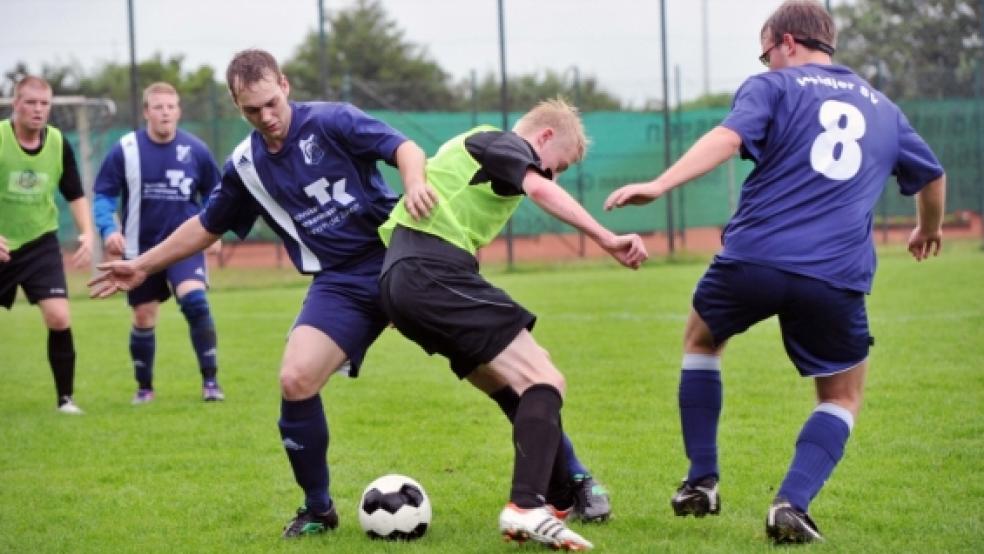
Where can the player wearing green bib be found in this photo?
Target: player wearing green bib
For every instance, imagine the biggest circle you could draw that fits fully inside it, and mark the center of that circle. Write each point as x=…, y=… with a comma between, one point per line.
x=432, y=291
x=35, y=160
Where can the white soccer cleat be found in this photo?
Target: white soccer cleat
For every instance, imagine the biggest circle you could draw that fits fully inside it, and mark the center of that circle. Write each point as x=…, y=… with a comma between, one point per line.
x=539, y=524
x=70, y=407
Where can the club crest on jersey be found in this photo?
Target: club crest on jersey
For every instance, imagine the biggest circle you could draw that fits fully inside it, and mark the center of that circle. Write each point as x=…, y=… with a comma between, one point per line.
x=312, y=150
x=183, y=152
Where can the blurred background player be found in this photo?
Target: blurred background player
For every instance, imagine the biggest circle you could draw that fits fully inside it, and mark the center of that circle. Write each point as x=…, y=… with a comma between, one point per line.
x=164, y=175
x=35, y=159
x=799, y=246
x=432, y=291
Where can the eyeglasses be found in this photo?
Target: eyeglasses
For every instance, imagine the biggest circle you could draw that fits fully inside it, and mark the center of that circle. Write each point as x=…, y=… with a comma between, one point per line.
x=811, y=43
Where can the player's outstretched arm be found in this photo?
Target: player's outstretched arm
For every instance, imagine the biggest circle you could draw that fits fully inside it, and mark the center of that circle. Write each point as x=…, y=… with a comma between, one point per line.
x=4, y=250
x=418, y=196
x=710, y=151
x=629, y=250
x=123, y=275
x=927, y=237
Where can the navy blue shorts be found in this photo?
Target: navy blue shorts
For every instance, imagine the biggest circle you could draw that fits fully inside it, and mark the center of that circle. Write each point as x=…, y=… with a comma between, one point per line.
x=824, y=329
x=345, y=306
x=162, y=284
x=37, y=267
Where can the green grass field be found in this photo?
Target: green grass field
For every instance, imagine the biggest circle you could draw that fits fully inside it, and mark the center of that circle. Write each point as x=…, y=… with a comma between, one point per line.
x=182, y=476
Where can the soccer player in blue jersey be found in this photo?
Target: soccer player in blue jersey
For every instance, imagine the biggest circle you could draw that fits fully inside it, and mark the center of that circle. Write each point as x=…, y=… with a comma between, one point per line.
x=35, y=161
x=164, y=174
x=799, y=246
x=309, y=169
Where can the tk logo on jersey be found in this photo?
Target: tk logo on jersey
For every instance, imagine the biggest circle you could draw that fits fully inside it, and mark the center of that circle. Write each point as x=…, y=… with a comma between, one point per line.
x=319, y=190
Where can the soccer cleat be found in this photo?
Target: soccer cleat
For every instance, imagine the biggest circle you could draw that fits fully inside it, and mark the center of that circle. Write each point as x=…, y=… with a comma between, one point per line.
x=787, y=525
x=591, y=502
x=307, y=522
x=211, y=392
x=68, y=406
x=699, y=499
x=143, y=396
x=540, y=525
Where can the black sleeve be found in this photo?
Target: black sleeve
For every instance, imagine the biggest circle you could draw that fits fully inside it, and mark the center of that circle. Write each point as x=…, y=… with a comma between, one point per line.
x=505, y=158
x=70, y=184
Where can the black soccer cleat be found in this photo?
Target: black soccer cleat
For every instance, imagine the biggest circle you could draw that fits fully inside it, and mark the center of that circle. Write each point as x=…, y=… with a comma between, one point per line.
x=697, y=500
x=591, y=502
x=787, y=525
x=307, y=522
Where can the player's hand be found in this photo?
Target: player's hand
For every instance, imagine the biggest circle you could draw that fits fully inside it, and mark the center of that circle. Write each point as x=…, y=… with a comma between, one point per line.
x=83, y=254
x=4, y=250
x=629, y=250
x=114, y=244
x=119, y=275
x=419, y=200
x=922, y=243
x=636, y=193
x=215, y=248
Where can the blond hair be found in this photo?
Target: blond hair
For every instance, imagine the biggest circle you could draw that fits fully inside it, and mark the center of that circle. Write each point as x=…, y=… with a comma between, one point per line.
x=159, y=87
x=563, y=118
x=30, y=81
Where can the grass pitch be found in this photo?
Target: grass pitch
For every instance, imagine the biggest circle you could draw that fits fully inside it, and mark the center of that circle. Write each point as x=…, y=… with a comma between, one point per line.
x=179, y=475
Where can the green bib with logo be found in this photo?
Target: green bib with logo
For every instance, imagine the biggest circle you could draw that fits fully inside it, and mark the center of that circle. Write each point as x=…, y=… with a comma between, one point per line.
x=27, y=187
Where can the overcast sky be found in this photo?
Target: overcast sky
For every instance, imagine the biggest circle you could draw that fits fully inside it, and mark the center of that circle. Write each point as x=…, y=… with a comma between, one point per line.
x=616, y=41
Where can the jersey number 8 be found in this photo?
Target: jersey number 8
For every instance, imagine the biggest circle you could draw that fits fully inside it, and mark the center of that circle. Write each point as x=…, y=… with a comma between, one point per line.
x=824, y=156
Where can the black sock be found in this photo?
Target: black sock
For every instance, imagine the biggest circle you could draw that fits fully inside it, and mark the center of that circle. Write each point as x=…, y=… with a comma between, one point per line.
x=61, y=356
x=559, y=492
x=508, y=400
x=536, y=437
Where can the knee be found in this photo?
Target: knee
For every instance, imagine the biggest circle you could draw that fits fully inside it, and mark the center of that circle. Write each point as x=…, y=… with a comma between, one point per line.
x=194, y=305
x=296, y=383
x=57, y=319
x=144, y=316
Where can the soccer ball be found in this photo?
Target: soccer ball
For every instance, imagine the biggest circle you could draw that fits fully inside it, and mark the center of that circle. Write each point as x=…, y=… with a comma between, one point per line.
x=394, y=507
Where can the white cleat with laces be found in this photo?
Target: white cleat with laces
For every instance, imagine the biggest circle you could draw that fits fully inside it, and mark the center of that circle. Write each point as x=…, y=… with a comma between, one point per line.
x=540, y=525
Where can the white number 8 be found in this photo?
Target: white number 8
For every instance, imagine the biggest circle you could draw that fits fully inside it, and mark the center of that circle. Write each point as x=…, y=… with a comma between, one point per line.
x=822, y=157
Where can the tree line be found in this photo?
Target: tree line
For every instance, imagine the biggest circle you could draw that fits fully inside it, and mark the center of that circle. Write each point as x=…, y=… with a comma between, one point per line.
x=925, y=49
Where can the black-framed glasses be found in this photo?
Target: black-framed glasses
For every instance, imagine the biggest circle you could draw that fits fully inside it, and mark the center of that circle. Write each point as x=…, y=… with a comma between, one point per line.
x=811, y=43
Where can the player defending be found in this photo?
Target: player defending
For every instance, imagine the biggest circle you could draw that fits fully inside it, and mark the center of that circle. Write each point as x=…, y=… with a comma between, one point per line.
x=164, y=174
x=433, y=293
x=799, y=246
x=35, y=159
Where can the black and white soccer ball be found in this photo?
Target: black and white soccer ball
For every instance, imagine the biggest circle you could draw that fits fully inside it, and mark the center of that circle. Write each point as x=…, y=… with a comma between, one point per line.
x=394, y=507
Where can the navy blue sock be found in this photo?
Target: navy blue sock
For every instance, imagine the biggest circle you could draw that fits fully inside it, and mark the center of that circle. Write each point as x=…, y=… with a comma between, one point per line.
x=700, y=400
x=143, y=345
x=507, y=399
x=304, y=431
x=818, y=449
x=194, y=306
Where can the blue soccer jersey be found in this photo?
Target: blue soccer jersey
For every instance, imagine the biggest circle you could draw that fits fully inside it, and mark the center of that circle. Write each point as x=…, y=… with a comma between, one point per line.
x=322, y=192
x=162, y=186
x=824, y=143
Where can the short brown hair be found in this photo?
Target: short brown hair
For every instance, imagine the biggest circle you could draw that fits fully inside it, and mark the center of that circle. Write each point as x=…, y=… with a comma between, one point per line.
x=805, y=19
x=160, y=87
x=30, y=81
x=248, y=67
x=557, y=114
